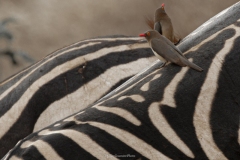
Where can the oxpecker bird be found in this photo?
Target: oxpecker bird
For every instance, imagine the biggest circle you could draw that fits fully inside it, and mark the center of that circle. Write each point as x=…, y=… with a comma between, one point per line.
x=166, y=51
x=163, y=24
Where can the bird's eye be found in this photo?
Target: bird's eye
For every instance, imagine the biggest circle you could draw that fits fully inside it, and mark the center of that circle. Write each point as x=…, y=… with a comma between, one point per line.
x=148, y=33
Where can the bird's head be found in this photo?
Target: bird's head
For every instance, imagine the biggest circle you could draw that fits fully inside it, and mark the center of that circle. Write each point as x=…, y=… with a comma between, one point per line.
x=160, y=12
x=162, y=6
x=150, y=34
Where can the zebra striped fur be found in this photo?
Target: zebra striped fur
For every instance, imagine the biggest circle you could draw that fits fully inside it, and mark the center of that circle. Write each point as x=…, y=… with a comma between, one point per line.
x=167, y=113
x=80, y=73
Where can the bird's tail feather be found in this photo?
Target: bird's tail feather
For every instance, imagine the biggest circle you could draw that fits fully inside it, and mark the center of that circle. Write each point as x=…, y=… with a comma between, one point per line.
x=193, y=66
x=150, y=22
x=176, y=39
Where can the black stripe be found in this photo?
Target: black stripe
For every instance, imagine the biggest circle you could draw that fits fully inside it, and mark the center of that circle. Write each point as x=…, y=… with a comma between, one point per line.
x=116, y=85
x=64, y=145
x=225, y=112
x=56, y=89
x=181, y=118
x=15, y=94
x=29, y=153
x=146, y=132
x=14, y=80
x=108, y=142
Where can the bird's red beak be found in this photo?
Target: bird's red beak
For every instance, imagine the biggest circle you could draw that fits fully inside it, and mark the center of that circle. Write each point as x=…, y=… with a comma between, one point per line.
x=163, y=5
x=142, y=35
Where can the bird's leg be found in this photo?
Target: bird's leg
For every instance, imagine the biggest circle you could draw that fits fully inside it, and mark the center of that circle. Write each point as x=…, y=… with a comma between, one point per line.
x=164, y=63
x=177, y=42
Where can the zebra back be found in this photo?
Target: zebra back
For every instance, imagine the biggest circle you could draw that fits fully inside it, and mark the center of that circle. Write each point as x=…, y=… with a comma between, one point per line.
x=167, y=113
x=52, y=88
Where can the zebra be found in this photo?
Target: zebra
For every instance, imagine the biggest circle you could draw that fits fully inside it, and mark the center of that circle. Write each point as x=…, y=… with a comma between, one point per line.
x=79, y=73
x=161, y=113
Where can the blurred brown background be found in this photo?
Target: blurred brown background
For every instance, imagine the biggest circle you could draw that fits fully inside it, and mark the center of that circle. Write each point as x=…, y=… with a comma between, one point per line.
x=43, y=26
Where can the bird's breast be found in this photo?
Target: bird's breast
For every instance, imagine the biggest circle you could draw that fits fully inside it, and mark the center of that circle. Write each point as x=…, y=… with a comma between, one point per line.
x=167, y=29
x=159, y=57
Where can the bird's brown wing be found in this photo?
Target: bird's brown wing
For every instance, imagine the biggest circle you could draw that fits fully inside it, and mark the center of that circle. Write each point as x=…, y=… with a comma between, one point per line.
x=171, y=53
x=172, y=45
x=158, y=27
x=163, y=49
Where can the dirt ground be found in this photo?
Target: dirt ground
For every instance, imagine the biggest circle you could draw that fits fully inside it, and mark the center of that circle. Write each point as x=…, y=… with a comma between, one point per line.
x=44, y=26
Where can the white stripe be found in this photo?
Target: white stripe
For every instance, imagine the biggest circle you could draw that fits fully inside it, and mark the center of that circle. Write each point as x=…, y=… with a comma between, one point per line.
x=134, y=97
x=170, y=90
x=160, y=122
x=239, y=134
x=145, y=87
x=83, y=141
x=57, y=124
x=131, y=140
x=109, y=39
x=136, y=76
x=85, y=95
x=28, y=68
x=72, y=118
x=52, y=58
x=44, y=148
x=120, y=112
x=15, y=158
x=207, y=94
x=113, y=93
x=59, y=50
x=9, y=118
